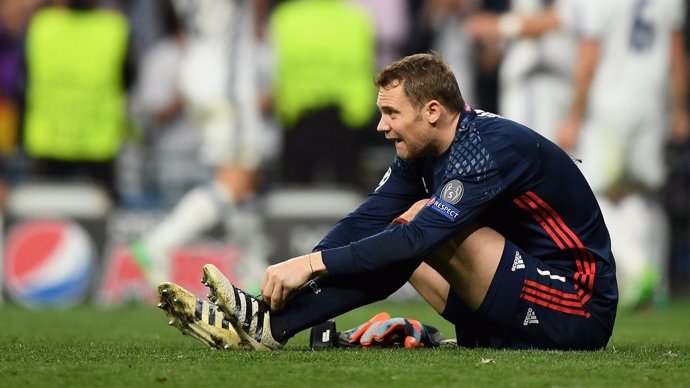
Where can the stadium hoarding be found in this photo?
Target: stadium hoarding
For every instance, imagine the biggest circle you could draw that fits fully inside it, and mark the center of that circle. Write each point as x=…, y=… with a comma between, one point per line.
x=52, y=242
x=90, y=251
x=121, y=279
x=57, y=253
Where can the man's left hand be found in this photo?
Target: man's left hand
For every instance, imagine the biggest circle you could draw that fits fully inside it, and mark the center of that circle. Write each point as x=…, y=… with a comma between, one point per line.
x=281, y=279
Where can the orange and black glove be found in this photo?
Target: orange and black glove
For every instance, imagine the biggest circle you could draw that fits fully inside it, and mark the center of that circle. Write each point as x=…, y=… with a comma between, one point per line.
x=384, y=331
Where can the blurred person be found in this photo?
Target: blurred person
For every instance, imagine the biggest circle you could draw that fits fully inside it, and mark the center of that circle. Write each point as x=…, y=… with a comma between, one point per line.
x=324, y=58
x=77, y=75
x=472, y=212
x=392, y=24
x=624, y=48
x=534, y=73
x=676, y=197
x=392, y=21
x=677, y=202
x=171, y=139
x=218, y=86
x=14, y=17
x=628, y=49
x=447, y=19
x=488, y=56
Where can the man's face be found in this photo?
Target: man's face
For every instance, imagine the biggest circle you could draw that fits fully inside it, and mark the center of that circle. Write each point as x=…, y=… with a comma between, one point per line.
x=403, y=124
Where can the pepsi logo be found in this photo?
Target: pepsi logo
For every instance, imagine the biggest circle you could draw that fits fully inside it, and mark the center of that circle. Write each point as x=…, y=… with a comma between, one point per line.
x=48, y=263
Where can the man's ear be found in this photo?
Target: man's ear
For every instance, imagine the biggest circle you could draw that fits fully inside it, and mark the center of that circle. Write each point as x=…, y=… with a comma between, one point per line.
x=433, y=109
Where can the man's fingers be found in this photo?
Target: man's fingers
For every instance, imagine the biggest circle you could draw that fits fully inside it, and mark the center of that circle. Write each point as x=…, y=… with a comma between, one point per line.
x=267, y=290
x=264, y=278
x=413, y=343
x=383, y=333
x=276, y=297
x=263, y=285
x=286, y=293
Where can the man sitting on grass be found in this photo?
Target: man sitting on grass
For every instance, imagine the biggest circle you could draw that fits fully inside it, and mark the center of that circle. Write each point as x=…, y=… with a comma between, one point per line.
x=493, y=225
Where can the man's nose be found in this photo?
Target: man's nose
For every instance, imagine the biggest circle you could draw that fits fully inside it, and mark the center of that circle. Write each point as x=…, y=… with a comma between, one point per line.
x=383, y=126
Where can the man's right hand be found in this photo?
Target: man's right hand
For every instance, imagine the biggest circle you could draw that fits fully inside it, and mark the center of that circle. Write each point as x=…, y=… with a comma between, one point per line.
x=282, y=279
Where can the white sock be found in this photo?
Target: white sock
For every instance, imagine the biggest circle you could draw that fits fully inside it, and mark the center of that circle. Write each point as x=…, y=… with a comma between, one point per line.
x=648, y=233
x=199, y=210
x=246, y=229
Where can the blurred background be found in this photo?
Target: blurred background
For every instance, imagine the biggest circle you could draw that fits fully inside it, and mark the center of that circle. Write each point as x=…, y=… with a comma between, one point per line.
x=165, y=134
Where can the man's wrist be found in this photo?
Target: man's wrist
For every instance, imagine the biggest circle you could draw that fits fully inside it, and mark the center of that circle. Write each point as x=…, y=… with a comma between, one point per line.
x=315, y=264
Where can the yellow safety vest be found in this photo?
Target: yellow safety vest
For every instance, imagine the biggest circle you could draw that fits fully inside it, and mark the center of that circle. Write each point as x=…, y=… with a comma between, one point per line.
x=76, y=104
x=325, y=55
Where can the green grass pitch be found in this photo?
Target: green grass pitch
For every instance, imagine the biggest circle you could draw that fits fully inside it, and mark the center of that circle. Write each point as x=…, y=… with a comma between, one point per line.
x=132, y=346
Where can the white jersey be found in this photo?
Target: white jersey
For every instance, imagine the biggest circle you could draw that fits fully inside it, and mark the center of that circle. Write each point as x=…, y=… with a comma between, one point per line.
x=535, y=75
x=553, y=52
x=623, y=135
x=219, y=80
x=625, y=124
x=635, y=36
x=457, y=49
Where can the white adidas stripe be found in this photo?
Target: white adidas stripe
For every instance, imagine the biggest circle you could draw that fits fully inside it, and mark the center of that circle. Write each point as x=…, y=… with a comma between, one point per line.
x=548, y=273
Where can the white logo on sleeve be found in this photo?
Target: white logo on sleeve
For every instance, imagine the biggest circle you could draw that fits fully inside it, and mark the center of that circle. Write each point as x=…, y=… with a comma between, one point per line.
x=452, y=192
x=530, y=318
x=384, y=179
x=518, y=263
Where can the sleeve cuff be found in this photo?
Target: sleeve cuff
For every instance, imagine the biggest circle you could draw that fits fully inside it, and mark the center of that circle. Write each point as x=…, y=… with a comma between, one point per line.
x=339, y=261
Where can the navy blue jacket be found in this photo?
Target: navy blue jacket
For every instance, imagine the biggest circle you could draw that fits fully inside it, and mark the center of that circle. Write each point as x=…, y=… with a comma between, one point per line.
x=497, y=173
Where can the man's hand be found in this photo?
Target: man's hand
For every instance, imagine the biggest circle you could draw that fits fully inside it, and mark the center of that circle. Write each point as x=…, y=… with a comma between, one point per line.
x=281, y=279
x=568, y=134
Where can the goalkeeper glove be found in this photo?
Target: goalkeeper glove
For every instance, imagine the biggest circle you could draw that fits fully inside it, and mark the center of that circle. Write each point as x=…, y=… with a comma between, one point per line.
x=384, y=331
x=352, y=337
